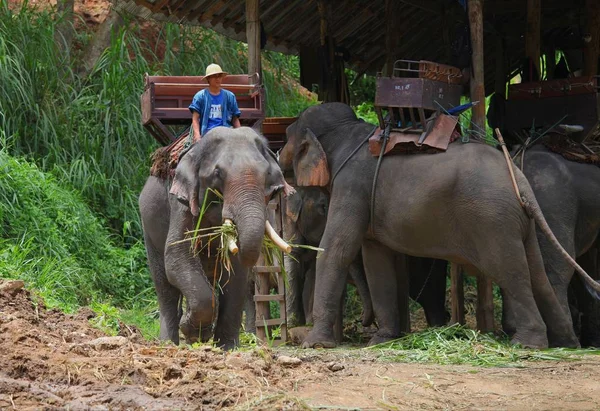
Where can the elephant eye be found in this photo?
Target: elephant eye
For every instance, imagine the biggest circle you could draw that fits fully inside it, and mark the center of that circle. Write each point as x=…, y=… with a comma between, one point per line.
x=217, y=172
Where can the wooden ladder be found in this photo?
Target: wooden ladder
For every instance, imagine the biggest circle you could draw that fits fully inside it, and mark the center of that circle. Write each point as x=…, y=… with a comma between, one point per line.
x=265, y=325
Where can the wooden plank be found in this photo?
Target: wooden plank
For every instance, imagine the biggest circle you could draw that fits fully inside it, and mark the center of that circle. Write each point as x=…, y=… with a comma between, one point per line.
x=533, y=32
x=457, y=294
x=272, y=322
x=270, y=297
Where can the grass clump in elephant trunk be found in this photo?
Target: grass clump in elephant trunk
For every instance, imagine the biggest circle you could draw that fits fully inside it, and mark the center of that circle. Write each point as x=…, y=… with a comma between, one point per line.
x=457, y=344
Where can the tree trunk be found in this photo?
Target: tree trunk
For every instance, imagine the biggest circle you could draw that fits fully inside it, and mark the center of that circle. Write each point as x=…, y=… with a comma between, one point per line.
x=101, y=40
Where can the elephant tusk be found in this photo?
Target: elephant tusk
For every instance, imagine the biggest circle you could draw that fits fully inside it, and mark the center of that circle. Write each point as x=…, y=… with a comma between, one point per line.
x=231, y=245
x=276, y=239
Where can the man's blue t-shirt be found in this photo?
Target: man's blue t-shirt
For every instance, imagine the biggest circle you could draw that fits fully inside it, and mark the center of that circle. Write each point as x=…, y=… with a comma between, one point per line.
x=202, y=102
x=215, y=117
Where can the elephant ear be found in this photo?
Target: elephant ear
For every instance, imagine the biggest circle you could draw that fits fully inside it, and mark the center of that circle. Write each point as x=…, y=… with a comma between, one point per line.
x=186, y=182
x=310, y=162
x=293, y=206
x=275, y=180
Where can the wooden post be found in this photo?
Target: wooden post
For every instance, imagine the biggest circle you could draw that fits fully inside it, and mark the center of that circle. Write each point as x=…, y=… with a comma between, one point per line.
x=592, y=33
x=253, y=37
x=533, y=33
x=457, y=294
x=477, y=80
x=485, y=302
x=500, y=83
x=392, y=34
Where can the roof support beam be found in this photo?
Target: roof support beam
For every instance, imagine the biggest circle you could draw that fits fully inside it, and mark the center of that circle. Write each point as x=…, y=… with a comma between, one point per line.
x=592, y=38
x=532, y=33
x=477, y=88
x=253, y=37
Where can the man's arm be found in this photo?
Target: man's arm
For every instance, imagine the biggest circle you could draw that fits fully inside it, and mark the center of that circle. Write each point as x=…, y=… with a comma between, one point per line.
x=196, y=125
x=235, y=122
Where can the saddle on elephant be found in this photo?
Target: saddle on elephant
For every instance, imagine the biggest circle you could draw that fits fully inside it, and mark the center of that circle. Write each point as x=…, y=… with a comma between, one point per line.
x=413, y=107
x=165, y=159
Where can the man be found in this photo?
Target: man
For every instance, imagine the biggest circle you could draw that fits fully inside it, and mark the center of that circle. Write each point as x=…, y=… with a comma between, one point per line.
x=214, y=106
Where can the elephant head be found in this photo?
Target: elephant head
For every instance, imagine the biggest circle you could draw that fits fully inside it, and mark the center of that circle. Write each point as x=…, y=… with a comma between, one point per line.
x=238, y=164
x=303, y=152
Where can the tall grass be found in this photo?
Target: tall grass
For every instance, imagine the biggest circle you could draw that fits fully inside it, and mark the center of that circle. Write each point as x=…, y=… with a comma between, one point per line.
x=51, y=239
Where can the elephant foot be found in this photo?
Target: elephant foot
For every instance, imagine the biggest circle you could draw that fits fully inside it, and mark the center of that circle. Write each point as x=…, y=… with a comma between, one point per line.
x=316, y=339
x=194, y=334
x=566, y=340
x=531, y=340
x=380, y=339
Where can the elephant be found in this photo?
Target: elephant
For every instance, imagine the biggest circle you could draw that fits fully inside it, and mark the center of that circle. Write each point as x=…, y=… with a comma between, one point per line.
x=305, y=219
x=568, y=193
x=238, y=164
x=458, y=206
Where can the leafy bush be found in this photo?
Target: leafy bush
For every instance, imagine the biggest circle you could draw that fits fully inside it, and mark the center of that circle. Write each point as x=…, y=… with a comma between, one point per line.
x=51, y=239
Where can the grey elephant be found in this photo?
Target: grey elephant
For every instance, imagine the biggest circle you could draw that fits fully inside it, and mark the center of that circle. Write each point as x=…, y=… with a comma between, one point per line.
x=569, y=196
x=305, y=219
x=238, y=164
x=304, y=222
x=459, y=206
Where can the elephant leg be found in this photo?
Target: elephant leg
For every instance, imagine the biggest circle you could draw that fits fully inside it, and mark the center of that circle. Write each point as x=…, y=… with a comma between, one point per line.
x=341, y=242
x=588, y=306
x=509, y=321
x=338, y=327
x=167, y=295
x=294, y=291
x=187, y=275
x=428, y=288
x=234, y=287
x=513, y=276
x=380, y=268
x=402, y=288
x=552, y=301
x=357, y=274
x=250, y=308
x=308, y=293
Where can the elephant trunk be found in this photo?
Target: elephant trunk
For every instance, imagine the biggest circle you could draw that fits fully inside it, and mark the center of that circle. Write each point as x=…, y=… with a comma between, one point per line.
x=244, y=204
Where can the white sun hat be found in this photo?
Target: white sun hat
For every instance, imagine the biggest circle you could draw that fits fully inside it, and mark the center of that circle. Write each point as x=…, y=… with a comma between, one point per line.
x=213, y=69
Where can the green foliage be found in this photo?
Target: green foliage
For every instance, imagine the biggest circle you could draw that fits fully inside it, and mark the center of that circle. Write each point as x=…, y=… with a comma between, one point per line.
x=457, y=344
x=366, y=112
x=51, y=239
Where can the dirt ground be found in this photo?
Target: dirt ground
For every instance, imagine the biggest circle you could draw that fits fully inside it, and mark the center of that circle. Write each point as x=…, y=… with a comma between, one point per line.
x=53, y=361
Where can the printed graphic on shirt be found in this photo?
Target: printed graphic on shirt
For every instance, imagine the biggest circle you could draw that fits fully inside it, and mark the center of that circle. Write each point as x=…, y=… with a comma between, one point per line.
x=216, y=111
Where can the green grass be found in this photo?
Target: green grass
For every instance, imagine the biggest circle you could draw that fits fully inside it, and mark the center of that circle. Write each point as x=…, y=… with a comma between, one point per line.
x=457, y=344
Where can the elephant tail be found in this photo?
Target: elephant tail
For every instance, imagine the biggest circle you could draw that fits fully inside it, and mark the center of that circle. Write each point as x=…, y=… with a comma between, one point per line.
x=533, y=209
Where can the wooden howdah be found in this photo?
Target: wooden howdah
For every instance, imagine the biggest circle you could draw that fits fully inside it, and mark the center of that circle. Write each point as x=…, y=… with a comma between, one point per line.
x=542, y=104
x=412, y=103
x=166, y=99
